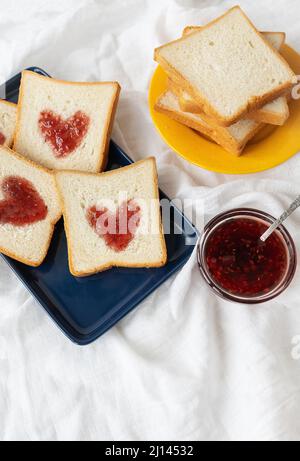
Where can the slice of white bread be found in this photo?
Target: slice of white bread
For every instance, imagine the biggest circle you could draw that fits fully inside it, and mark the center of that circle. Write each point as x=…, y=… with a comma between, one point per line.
x=80, y=108
x=89, y=253
x=27, y=243
x=233, y=138
x=228, y=67
x=8, y=116
x=276, y=112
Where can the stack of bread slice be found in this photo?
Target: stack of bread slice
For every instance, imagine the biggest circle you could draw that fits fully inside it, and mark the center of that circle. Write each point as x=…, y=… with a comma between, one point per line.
x=226, y=80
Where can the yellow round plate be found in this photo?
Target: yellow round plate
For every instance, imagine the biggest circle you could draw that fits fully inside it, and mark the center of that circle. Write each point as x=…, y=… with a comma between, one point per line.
x=275, y=147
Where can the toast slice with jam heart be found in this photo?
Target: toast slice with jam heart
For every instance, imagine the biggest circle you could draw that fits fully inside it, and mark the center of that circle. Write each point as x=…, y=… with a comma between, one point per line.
x=112, y=219
x=29, y=208
x=65, y=125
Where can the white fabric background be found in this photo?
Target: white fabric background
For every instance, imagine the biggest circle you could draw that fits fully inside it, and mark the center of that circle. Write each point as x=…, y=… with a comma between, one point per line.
x=184, y=365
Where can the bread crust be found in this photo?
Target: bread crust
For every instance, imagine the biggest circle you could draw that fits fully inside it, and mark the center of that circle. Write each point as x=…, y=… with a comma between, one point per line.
x=109, y=128
x=103, y=154
x=52, y=223
x=109, y=265
x=219, y=136
x=8, y=103
x=254, y=103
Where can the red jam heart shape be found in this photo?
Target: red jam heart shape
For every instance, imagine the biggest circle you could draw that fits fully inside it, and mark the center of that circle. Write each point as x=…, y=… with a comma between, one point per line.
x=22, y=203
x=64, y=136
x=117, y=229
x=2, y=139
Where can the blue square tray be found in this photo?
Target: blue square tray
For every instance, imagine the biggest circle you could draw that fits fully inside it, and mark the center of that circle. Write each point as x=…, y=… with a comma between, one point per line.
x=86, y=308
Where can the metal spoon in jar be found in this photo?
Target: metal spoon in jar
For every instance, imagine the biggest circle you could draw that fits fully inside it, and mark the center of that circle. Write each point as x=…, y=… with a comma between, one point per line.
x=283, y=217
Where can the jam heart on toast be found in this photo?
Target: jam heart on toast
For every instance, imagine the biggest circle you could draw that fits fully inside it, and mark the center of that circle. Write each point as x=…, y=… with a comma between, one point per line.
x=64, y=136
x=117, y=229
x=22, y=203
x=2, y=139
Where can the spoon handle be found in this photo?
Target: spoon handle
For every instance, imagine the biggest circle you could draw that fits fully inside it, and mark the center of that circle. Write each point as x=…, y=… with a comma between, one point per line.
x=283, y=217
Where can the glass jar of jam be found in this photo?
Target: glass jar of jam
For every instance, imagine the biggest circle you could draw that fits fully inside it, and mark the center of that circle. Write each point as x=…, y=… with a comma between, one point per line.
x=237, y=265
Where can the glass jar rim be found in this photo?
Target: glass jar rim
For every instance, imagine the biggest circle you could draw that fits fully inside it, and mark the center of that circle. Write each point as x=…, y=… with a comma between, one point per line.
x=254, y=214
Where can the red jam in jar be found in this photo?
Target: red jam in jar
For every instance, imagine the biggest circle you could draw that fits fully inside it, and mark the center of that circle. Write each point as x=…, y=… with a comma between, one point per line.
x=2, y=139
x=63, y=135
x=240, y=263
x=117, y=229
x=22, y=204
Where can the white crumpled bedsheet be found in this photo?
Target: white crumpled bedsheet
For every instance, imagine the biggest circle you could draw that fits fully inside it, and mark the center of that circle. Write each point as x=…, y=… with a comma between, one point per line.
x=184, y=365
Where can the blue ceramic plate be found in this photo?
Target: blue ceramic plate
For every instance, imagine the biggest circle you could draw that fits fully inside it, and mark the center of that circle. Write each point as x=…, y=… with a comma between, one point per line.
x=86, y=308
